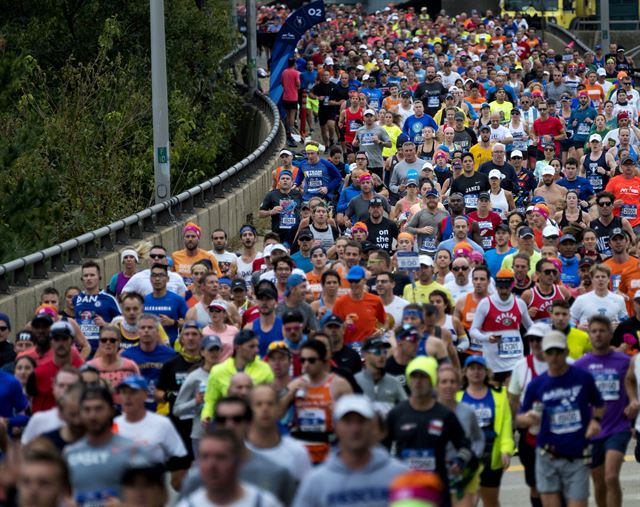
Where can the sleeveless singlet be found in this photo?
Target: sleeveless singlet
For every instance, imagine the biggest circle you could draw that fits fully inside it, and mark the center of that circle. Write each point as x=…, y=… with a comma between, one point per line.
x=314, y=419
x=353, y=121
x=598, y=181
x=468, y=313
x=325, y=237
x=519, y=137
x=564, y=221
x=543, y=303
x=499, y=203
x=503, y=355
x=428, y=155
x=202, y=315
x=603, y=233
x=245, y=269
x=267, y=337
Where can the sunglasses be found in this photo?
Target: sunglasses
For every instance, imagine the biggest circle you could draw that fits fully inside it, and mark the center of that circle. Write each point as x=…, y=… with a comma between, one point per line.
x=516, y=158
x=157, y=256
x=221, y=419
x=310, y=360
x=378, y=352
x=294, y=327
x=460, y=268
x=108, y=340
x=605, y=204
x=550, y=271
x=542, y=110
x=216, y=310
x=3, y=328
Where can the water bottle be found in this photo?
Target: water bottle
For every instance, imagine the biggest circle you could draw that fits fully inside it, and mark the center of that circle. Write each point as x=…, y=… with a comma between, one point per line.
x=538, y=407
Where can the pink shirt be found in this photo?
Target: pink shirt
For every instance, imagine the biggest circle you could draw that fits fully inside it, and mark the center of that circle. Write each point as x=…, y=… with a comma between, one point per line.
x=290, y=84
x=226, y=337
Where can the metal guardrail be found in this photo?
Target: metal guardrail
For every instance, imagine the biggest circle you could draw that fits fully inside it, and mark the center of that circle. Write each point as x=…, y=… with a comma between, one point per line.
x=614, y=24
x=566, y=35
x=19, y=271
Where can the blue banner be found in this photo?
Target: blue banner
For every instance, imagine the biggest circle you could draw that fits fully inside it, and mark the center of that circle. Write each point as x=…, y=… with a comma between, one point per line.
x=289, y=35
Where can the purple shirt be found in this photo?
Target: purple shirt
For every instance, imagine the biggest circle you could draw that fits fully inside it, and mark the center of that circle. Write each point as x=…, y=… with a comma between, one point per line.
x=609, y=372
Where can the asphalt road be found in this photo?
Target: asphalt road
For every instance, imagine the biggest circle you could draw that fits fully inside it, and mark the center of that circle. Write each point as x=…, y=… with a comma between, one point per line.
x=515, y=493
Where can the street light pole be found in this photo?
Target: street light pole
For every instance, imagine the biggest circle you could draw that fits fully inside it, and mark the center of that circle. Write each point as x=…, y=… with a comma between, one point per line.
x=161, y=154
x=252, y=46
x=604, y=24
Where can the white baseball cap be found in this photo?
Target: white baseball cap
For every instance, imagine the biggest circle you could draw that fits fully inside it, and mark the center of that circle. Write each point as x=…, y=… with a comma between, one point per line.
x=353, y=403
x=595, y=137
x=601, y=72
x=425, y=260
x=550, y=230
x=369, y=111
x=495, y=173
x=554, y=340
x=516, y=153
x=548, y=170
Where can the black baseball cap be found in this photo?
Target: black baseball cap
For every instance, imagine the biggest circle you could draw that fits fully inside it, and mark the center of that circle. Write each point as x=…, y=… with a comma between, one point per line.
x=332, y=320
x=238, y=284
x=525, y=232
x=305, y=234
x=375, y=344
x=292, y=316
x=376, y=201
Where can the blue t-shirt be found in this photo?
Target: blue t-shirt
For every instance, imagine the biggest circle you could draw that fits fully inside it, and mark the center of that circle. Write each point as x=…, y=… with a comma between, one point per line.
x=494, y=259
x=580, y=184
x=171, y=305
x=413, y=127
x=12, y=399
x=302, y=262
x=88, y=306
x=308, y=79
x=567, y=402
x=316, y=176
x=374, y=97
x=150, y=364
x=570, y=276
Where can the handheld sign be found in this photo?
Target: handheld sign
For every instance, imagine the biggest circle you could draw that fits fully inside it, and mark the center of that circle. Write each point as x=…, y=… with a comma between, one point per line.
x=408, y=261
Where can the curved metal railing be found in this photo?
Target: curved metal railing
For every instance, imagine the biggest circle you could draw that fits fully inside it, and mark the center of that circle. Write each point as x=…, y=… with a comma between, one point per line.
x=566, y=36
x=19, y=271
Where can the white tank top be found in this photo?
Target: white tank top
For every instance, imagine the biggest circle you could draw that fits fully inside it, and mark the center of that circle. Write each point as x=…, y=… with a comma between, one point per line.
x=499, y=203
x=519, y=137
x=448, y=324
x=245, y=269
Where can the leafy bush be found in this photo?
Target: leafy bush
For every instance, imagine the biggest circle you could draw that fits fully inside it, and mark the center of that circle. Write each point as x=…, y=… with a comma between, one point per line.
x=76, y=135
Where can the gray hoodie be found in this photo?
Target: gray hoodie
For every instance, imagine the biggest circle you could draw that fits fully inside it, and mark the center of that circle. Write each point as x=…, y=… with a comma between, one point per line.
x=334, y=485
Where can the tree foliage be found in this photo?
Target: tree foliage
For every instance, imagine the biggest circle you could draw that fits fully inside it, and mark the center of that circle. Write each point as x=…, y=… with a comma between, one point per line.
x=76, y=134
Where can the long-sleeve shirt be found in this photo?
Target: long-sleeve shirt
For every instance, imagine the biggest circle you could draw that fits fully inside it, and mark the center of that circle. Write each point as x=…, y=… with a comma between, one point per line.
x=185, y=406
x=316, y=176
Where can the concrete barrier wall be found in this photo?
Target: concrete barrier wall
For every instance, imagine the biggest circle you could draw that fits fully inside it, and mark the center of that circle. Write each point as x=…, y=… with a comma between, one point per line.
x=228, y=212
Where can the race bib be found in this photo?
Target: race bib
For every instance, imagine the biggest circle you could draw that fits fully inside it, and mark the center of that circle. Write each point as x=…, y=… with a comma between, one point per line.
x=312, y=420
x=565, y=419
x=471, y=200
x=615, y=282
x=583, y=129
x=487, y=241
x=366, y=139
x=596, y=181
x=629, y=211
x=608, y=383
x=429, y=244
x=420, y=459
x=484, y=415
x=510, y=347
x=354, y=125
x=433, y=102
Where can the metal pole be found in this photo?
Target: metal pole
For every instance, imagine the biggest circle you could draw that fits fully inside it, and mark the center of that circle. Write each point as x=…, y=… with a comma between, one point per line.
x=234, y=15
x=604, y=22
x=161, y=154
x=252, y=46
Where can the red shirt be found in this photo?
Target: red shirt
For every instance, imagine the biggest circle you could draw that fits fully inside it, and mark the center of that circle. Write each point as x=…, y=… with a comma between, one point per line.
x=43, y=376
x=48, y=355
x=487, y=226
x=290, y=84
x=552, y=126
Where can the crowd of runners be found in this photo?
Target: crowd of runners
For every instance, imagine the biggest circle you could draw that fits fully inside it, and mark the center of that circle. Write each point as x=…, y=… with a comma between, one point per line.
x=446, y=281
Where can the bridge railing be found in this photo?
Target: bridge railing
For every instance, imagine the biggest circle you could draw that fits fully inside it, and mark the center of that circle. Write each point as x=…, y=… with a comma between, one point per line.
x=37, y=265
